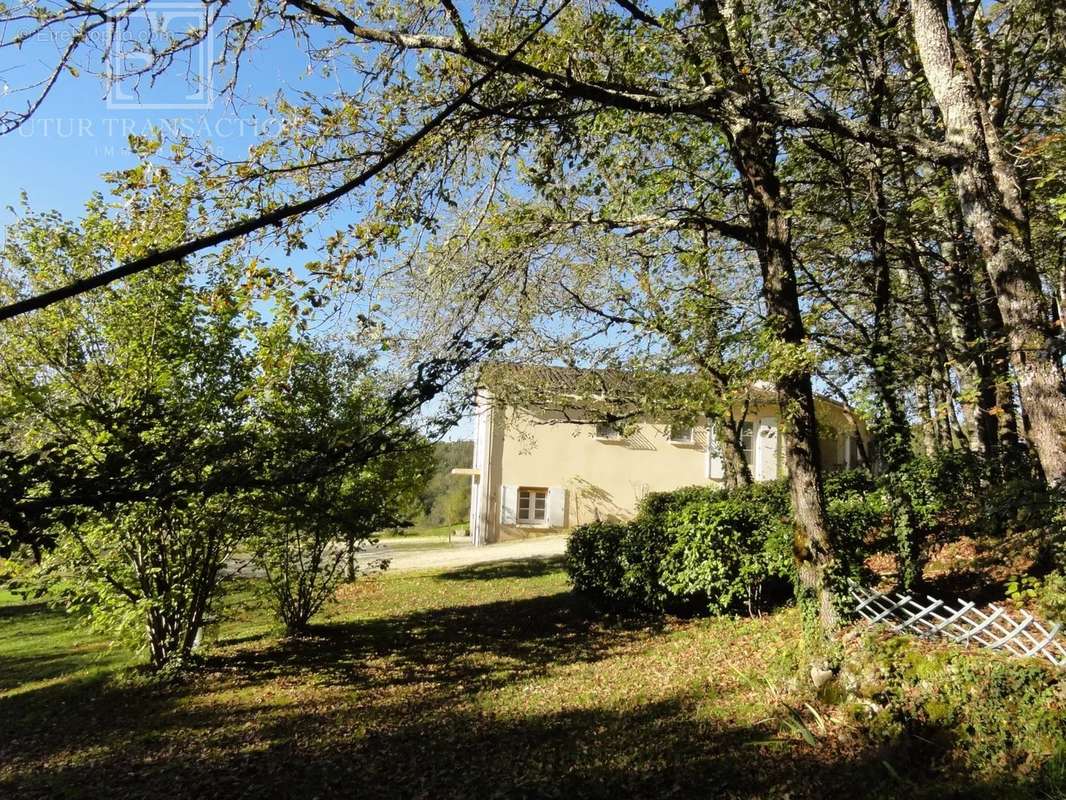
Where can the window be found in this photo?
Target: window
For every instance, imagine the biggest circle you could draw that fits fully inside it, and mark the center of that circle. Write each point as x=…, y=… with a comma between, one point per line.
x=747, y=432
x=608, y=430
x=681, y=434
x=852, y=458
x=532, y=506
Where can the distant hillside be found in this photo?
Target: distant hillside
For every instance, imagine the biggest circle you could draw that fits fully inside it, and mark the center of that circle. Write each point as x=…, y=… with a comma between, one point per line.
x=446, y=498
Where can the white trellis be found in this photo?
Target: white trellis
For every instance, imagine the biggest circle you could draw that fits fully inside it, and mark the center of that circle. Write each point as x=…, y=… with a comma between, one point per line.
x=1018, y=633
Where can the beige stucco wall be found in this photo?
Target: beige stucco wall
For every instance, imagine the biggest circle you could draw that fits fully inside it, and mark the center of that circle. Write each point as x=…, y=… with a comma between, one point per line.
x=602, y=478
x=606, y=479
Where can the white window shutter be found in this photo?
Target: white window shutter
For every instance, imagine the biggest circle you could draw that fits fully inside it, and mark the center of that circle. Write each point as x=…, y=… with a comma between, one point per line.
x=508, y=505
x=766, y=449
x=556, y=507
x=715, y=467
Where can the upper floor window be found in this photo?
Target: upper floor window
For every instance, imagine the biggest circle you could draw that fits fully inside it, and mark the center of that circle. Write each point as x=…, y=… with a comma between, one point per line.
x=532, y=505
x=681, y=434
x=608, y=430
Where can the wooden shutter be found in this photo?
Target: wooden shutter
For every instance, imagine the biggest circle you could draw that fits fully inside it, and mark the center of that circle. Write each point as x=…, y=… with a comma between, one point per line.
x=766, y=449
x=556, y=507
x=508, y=505
x=715, y=467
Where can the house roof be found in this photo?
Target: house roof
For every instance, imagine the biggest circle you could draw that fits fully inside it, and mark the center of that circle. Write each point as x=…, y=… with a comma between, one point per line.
x=533, y=383
x=575, y=381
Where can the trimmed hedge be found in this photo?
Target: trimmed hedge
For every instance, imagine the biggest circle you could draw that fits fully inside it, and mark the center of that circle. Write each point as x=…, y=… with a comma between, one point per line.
x=705, y=549
x=696, y=549
x=727, y=550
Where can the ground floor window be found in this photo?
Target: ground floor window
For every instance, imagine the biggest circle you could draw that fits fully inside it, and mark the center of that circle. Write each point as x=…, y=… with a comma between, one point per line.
x=532, y=505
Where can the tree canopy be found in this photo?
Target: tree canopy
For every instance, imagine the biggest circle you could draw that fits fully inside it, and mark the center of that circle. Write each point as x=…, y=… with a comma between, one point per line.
x=865, y=197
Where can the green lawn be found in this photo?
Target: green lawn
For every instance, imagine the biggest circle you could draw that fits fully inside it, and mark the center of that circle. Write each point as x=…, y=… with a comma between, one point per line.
x=422, y=538
x=484, y=682
x=41, y=649
x=418, y=532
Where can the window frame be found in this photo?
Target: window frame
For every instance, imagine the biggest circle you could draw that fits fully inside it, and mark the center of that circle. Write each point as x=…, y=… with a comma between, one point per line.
x=747, y=442
x=615, y=432
x=689, y=438
x=532, y=495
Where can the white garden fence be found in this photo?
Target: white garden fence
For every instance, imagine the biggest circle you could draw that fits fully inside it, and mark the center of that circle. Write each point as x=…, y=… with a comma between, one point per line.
x=995, y=627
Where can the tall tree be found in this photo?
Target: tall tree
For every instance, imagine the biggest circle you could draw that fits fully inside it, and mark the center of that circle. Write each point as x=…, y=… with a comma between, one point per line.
x=991, y=197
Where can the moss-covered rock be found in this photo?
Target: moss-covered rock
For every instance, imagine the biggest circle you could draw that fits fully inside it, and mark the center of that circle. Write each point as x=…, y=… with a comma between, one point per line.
x=953, y=709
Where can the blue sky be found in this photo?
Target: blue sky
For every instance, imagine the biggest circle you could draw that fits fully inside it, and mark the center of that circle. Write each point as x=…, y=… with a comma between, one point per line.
x=82, y=129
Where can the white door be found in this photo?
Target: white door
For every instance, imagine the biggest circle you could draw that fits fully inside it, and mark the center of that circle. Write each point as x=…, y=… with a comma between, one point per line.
x=766, y=449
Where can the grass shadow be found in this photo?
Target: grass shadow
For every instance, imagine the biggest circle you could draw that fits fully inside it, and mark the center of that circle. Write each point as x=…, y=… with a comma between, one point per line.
x=657, y=749
x=533, y=567
x=472, y=647
x=28, y=609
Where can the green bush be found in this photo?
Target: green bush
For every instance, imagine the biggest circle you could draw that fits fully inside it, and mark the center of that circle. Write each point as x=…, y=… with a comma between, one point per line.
x=1046, y=595
x=943, y=489
x=593, y=561
x=656, y=505
x=847, y=483
x=618, y=564
x=857, y=514
x=642, y=554
x=703, y=548
x=698, y=548
x=728, y=549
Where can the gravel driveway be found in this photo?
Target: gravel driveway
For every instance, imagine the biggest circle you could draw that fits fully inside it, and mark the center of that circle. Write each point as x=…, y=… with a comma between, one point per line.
x=460, y=554
x=424, y=553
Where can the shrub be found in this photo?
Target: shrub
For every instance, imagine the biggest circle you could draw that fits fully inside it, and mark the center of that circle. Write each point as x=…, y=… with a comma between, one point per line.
x=656, y=505
x=1046, y=595
x=619, y=564
x=643, y=550
x=848, y=483
x=709, y=549
x=943, y=489
x=593, y=561
x=1025, y=505
x=301, y=570
x=857, y=514
x=728, y=549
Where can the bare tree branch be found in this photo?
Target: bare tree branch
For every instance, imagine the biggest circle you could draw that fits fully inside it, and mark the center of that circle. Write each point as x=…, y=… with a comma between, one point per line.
x=278, y=215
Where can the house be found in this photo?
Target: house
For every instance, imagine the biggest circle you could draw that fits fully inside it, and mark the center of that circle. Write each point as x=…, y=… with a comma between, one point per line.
x=553, y=462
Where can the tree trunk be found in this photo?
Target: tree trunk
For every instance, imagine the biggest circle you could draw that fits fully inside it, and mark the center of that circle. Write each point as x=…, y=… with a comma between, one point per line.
x=1012, y=448
x=769, y=214
x=349, y=558
x=977, y=383
x=922, y=401
x=893, y=430
x=957, y=438
x=951, y=433
x=990, y=197
x=753, y=149
x=734, y=464
x=892, y=426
